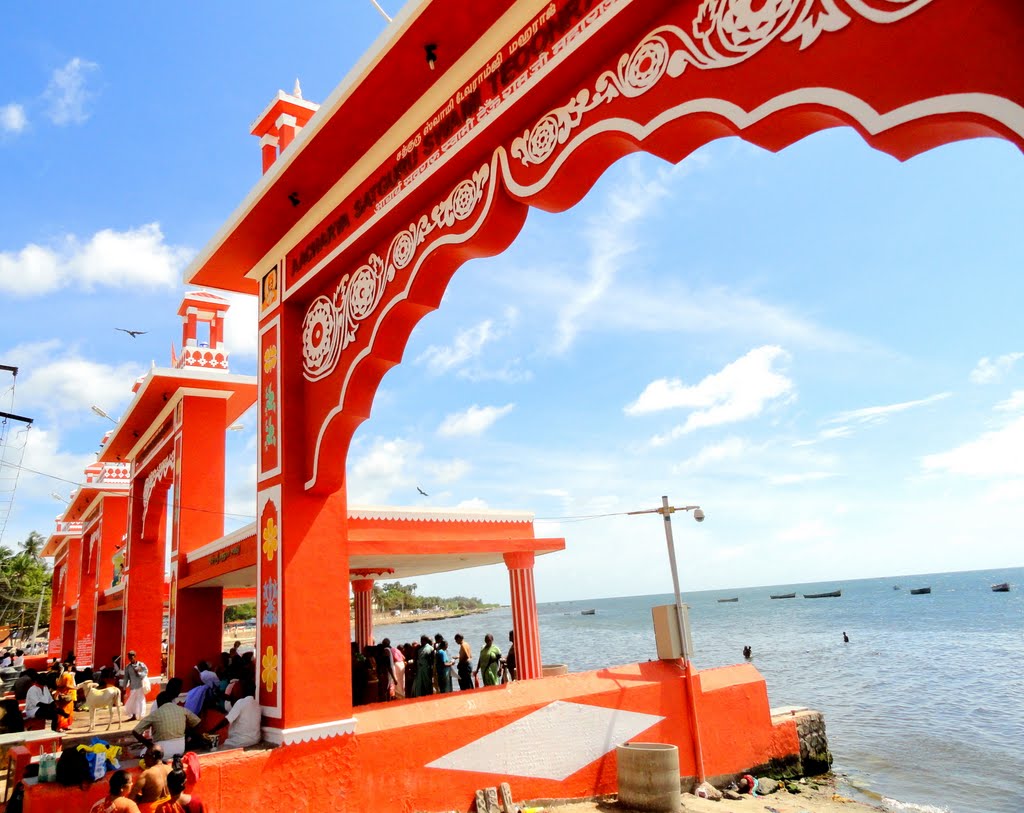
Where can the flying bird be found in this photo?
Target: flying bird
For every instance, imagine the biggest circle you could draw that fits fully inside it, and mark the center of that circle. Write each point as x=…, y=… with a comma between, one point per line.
x=132, y=333
x=421, y=491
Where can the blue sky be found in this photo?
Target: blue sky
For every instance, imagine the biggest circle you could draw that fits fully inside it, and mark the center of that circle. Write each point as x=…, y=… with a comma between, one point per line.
x=820, y=347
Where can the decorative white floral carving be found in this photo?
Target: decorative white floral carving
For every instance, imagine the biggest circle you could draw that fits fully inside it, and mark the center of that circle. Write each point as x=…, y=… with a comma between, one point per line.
x=160, y=471
x=331, y=323
x=723, y=33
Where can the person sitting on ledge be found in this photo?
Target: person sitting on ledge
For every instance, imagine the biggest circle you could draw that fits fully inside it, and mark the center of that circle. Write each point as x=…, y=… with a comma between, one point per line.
x=244, y=718
x=151, y=788
x=117, y=800
x=167, y=724
x=39, y=703
x=180, y=802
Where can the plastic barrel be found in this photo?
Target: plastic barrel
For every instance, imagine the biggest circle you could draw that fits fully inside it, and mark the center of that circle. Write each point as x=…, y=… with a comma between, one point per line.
x=648, y=776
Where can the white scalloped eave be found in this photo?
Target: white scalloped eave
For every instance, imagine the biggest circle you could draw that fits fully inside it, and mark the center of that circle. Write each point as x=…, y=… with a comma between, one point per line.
x=436, y=514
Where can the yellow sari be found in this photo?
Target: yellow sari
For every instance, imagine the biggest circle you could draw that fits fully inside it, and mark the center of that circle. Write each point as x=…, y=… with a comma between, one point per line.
x=66, y=694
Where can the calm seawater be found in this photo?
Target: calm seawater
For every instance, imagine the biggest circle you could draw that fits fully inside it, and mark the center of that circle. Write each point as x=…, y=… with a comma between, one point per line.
x=924, y=707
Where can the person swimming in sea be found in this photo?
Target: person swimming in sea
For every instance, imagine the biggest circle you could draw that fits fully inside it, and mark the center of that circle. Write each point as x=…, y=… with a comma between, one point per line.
x=747, y=652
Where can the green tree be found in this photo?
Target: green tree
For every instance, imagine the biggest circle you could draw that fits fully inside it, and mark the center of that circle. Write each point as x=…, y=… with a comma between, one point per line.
x=24, y=580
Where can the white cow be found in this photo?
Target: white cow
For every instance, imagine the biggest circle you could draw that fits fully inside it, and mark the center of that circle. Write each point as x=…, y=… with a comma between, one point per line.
x=97, y=698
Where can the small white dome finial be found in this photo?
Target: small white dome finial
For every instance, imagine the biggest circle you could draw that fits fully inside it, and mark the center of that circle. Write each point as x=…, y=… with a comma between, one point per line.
x=297, y=93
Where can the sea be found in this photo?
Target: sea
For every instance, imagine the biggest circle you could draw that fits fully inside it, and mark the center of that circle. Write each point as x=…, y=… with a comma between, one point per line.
x=924, y=707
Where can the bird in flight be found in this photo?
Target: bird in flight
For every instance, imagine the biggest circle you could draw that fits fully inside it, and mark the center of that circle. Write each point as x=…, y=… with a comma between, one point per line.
x=132, y=333
x=421, y=491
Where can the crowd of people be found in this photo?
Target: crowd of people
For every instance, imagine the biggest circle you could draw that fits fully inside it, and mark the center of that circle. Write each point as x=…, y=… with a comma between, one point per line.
x=383, y=672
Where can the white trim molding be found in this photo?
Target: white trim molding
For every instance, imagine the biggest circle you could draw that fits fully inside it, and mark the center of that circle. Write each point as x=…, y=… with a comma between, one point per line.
x=309, y=733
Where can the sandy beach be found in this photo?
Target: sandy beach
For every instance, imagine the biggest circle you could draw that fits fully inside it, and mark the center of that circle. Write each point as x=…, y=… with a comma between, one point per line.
x=817, y=796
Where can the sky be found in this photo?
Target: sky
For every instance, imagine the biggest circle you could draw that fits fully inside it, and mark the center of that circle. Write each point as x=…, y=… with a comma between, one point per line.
x=820, y=347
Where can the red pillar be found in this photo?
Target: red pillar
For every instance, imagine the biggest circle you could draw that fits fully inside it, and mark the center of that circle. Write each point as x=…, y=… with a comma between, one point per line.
x=524, y=614
x=196, y=624
x=72, y=584
x=85, y=623
x=362, y=590
x=142, y=621
x=303, y=557
x=57, y=583
x=268, y=148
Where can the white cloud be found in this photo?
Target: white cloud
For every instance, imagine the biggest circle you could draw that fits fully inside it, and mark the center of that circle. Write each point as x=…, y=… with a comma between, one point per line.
x=12, y=118
x=879, y=414
x=1015, y=403
x=797, y=479
x=1010, y=492
x=468, y=344
x=465, y=352
x=475, y=504
x=999, y=453
x=448, y=471
x=137, y=257
x=988, y=370
x=729, y=449
x=811, y=530
x=609, y=240
x=739, y=391
x=386, y=467
x=57, y=380
x=473, y=421
x=67, y=93
x=42, y=453
x=241, y=325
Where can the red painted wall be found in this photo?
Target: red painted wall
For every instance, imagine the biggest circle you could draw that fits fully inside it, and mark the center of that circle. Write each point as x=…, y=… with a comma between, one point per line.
x=382, y=767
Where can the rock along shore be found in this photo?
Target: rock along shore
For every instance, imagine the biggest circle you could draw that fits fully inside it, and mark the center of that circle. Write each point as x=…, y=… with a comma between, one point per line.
x=817, y=795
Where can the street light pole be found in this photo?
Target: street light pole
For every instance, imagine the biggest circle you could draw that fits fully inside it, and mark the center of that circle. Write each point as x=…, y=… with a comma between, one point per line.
x=666, y=511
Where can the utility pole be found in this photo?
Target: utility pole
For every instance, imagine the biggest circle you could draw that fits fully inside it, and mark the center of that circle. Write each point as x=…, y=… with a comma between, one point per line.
x=39, y=610
x=666, y=512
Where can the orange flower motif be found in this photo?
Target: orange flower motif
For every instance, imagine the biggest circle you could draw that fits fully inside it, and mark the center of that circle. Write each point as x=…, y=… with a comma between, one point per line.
x=269, y=668
x=270, y=538
x=269, y=358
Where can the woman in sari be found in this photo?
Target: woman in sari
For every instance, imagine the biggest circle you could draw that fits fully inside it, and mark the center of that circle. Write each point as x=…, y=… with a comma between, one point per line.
x=424, y=685
x=64, y=696
x=490, y=662
x=443, y=664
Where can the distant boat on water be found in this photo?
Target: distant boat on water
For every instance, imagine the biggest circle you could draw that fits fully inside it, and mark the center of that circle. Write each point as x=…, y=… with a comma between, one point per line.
x=588, y=612
x=727, y=600
x=832, y=594
x=1001, y=588
x=920, y=591
x=896, y=587
x=785, y=595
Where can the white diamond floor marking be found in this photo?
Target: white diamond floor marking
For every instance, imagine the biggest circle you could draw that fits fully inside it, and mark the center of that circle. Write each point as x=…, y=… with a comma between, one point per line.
x=551, y=743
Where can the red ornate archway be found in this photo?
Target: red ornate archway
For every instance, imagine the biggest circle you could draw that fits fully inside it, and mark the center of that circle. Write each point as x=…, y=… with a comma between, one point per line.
x=355, y=232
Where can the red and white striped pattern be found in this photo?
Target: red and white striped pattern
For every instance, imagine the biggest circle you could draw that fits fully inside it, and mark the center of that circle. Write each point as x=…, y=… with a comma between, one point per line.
x=362, y=590
x=524, y=614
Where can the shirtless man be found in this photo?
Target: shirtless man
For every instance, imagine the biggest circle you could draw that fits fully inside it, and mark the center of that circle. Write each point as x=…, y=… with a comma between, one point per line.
x=152, y=782
x=465, y=665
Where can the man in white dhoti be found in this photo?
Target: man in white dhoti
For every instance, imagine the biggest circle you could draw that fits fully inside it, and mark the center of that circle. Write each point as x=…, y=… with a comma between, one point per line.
x=136, y=673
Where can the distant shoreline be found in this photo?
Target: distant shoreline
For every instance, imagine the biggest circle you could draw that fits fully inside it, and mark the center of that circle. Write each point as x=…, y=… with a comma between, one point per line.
x=386, y=619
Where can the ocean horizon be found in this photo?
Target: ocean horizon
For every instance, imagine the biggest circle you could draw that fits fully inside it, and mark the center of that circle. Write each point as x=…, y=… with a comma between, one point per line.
x=924, y=707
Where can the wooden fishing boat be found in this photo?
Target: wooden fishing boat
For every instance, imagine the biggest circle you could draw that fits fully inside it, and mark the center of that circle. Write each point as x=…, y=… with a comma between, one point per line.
x=920, y=591
x=588, y=612
x=1001, y=588
x=831, y=594
x=785, y=595
x=727, y=600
